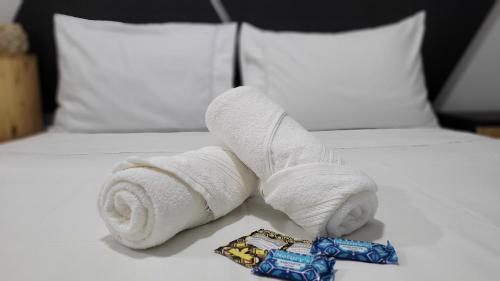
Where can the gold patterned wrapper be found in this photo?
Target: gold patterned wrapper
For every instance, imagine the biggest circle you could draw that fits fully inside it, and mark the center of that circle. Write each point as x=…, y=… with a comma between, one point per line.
x=251, y=249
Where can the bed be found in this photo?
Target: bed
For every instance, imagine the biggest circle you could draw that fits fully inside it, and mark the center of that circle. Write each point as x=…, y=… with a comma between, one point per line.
x=438, y=189
x=438, y=192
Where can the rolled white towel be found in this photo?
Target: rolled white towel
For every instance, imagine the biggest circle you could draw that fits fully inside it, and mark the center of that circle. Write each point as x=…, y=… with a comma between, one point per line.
x=299, y=175
x=144, y=202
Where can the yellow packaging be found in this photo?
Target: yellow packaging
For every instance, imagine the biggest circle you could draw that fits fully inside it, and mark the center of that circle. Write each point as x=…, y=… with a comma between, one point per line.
x=251, y=249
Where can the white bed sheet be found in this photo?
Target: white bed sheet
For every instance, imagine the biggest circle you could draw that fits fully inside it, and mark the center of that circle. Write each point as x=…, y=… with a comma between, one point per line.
x=439, y=195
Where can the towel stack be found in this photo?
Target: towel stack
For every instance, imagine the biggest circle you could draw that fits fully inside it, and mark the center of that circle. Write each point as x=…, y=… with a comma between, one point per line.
x=142, y=201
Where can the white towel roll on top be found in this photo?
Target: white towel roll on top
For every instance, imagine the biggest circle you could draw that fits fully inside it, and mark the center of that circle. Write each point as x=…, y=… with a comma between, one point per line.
x=300, y=176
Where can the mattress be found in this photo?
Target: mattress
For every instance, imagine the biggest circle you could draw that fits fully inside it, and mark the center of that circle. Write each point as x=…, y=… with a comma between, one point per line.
x=439, y=195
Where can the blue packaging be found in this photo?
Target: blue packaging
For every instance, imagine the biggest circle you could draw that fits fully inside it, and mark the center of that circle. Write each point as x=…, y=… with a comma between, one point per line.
x=297, y=267
x=364, y=251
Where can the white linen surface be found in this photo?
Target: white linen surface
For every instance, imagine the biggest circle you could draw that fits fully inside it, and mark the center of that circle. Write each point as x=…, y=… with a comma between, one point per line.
x=438, y=194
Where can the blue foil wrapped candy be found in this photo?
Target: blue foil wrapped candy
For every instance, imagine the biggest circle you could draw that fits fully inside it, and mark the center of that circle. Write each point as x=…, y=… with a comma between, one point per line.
x=355, y=250
x=297, y=267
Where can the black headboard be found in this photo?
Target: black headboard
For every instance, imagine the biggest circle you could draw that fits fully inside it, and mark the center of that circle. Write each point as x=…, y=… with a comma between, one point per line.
x=451, y=24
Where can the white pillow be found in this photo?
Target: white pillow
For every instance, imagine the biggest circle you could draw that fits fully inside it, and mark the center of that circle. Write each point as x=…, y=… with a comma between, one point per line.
x=370, y=78
x=117, y=77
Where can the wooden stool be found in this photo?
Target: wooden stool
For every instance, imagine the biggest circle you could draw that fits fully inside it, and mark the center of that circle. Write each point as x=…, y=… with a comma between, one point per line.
x=20, y=108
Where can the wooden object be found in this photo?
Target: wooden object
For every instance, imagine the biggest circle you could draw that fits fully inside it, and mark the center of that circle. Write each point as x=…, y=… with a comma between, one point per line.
x=20, y=108
x=491, y=131
x=482, y=123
